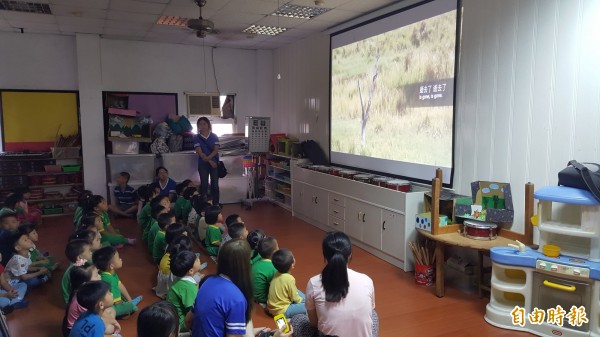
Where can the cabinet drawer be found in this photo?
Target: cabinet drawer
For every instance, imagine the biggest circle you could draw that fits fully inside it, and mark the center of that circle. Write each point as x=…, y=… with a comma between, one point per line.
x=337, y=211
x=337, y=199
x=336, y=223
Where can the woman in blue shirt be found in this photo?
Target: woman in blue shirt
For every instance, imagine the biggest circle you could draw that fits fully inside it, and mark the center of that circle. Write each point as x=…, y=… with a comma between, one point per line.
x=206, y=145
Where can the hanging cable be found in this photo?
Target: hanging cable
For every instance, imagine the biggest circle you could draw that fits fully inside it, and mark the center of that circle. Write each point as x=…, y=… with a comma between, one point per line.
x=204, y=62
x=212, y=55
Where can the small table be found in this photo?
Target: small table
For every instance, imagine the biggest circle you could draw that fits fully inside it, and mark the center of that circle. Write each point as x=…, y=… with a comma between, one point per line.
x=456, y=239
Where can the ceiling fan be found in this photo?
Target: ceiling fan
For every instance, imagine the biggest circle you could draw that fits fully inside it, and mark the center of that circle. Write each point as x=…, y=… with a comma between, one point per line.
x=201, y=25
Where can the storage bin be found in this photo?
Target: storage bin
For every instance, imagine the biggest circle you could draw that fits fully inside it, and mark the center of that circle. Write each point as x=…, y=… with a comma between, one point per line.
x=125, y=147
x=65, y=152
x=52, y=168
x=71, y=168
x=139, y=166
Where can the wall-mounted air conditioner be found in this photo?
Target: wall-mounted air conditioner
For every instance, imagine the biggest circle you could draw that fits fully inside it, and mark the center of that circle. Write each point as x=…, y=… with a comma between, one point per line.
x=203, y=104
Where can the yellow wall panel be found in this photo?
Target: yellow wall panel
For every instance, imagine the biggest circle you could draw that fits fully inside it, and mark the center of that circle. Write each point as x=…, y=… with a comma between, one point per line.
x=36, y=116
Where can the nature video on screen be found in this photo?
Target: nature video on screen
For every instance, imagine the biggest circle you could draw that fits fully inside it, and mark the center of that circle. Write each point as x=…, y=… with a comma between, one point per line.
x=392, y=93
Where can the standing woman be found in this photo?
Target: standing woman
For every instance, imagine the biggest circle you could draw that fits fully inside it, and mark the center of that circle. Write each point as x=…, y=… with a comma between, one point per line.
x=206, y=145
x=166, y=184
x=341, y=301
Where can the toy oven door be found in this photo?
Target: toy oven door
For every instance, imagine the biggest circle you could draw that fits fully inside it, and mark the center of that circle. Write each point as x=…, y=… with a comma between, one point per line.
x=550, y=291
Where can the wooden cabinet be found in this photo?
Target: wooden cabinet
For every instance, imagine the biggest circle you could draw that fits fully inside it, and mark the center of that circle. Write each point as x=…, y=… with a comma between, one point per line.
x=363, y=222
x=310, y=201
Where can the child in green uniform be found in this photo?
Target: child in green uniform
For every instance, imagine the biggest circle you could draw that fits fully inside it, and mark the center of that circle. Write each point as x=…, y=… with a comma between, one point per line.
x=145, y=194
x=263, y=270
x=253, y=239
x=182, y=293
x=180, y=201
x=97, y=204
x=163, y=220
x=160, y=242
x=108, y=261
x=160, y=200
x=213, y=238
x=81, y=202
x=78, y=251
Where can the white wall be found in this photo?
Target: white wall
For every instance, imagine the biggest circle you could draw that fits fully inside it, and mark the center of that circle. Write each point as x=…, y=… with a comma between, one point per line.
x=302, y=94
x=528, y=94
x=38, y=62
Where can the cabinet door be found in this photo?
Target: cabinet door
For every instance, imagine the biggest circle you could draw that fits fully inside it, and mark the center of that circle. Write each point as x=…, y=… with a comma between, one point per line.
x=371, y=222
x=354, y=224
x=321, y=205
x=298, y=204
x=392, y=239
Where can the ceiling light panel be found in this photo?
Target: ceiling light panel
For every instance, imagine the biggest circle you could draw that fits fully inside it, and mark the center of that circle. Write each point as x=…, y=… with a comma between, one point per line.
x=264, y=30
x=299, y=12
x=28, y=7
x=168, y=20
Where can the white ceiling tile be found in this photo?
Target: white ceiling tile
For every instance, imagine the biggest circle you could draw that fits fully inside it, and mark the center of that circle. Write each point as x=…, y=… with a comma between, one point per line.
x=135, y=34
x=189, y=12
x=156, y=1
x=315, y=25
x=251, y=6
x=35, y=27
x=326, y=4
x=87, y=12
x=4, y=25
x=276, y=21
x=164, y=38
x=168, y=29
x=132, y=17
x=137, y=7
x=298, y=33
x=124, y=25
x=98, y=4
x=80, y=29
x=77, y=21
x=121, y=37
x=337, y=16
x=16, y=18
x=364, y=6
x=236, y=19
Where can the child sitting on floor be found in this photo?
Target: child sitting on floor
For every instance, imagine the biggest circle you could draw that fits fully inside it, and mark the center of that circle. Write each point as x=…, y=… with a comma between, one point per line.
x=125, y=196
x=96, y=298
x=164, y=278
x=228, y=221
x=237, y=230
x=9, y=224
x=97, y=204
x=145, y=195
x=37, y=258
x=183, y=292
x=108, y=261
x=158, y=320
x=199, y=206
x=213, y=231
x=31, y=213
x=11, y=296
x=284, y=297
x=82, y=200
x=160, y=200
x=158, y=231
x=19, y=266
x=253, y=239
x=77, y=251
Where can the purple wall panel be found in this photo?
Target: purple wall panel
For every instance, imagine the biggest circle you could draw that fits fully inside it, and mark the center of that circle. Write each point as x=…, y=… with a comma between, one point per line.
x=159, y=107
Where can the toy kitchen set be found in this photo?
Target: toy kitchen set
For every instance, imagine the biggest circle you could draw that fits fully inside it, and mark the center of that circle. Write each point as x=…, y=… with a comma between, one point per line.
x=529, y=287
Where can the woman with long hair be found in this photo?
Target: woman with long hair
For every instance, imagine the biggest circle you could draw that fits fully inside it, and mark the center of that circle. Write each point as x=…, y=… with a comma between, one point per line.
x=341, y=301
x=206, y=145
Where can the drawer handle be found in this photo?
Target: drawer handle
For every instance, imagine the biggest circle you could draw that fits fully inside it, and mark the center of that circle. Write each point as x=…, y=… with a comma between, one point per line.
x=336, y=212
x=316, y=202
x=358, y=217
x=336, y=199
x=363, y=217
x=559, y=286
x=383, y=225
x=335, y=223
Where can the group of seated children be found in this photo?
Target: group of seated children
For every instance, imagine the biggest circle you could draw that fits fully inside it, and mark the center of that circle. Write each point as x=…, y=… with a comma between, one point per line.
x=23, y=265
x=94, y=261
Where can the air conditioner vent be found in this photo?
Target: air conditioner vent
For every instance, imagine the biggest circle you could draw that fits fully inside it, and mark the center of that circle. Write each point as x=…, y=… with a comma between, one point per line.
x=204, y=104
x=22, y=6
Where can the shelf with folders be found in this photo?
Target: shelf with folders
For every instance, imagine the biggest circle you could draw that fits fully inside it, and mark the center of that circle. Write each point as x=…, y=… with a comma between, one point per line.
x=278, y=182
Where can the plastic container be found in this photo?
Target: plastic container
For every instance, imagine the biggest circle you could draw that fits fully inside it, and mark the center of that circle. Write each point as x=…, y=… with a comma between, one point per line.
x=424, y=274
x=65, y=152
x=139, y=166
x=551, y=250
x=71, y=168
x=52, y=168
x=125, y=147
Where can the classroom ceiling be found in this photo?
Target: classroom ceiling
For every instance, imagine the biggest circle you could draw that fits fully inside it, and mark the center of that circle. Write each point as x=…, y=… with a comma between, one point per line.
x=137, y=19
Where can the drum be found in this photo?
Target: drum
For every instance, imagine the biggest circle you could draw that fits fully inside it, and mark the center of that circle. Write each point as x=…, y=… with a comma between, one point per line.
x=364, y=178
x=398, y=185
x=479, y=230
x=380, y=181
x=348, y=174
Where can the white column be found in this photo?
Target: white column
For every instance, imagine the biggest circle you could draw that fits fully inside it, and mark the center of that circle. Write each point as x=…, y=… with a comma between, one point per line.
x=89, y=71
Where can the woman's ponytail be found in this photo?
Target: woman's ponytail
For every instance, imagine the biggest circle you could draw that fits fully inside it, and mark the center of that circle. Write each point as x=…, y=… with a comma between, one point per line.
x=337, y=249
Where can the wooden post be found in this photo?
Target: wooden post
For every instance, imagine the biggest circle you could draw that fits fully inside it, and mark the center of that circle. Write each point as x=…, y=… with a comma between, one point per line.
x=439, y=269
x=436, y=188
x=529, y=203
x=438, y=174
